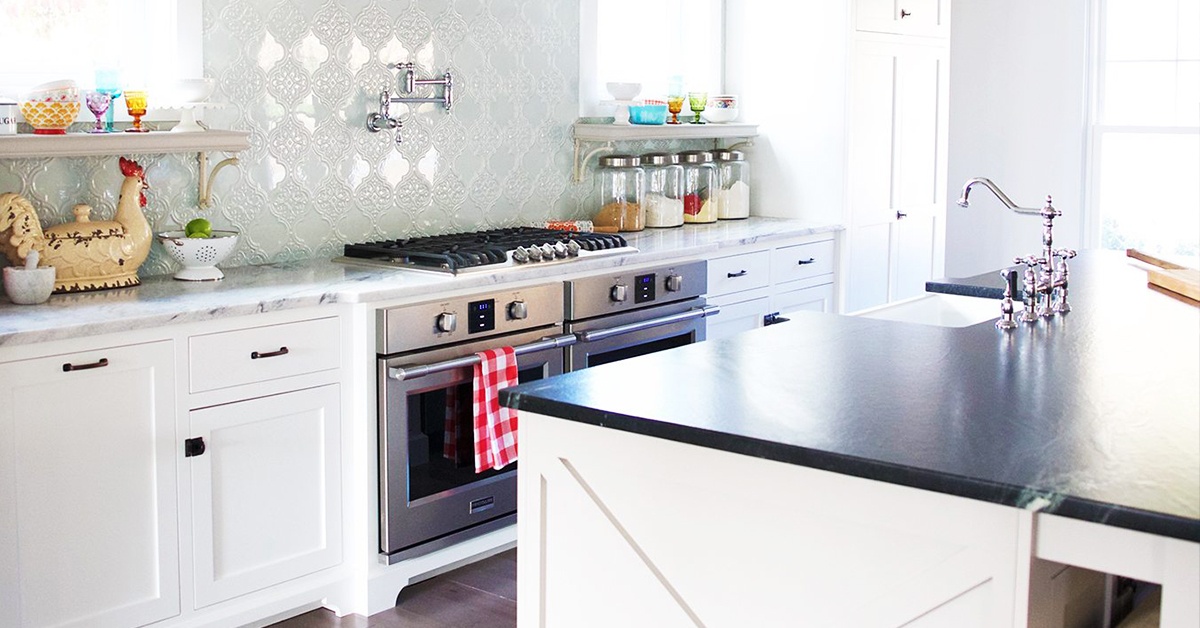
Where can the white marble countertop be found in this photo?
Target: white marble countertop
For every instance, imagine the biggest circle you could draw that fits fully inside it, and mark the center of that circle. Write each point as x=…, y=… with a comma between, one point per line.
x=160, y=300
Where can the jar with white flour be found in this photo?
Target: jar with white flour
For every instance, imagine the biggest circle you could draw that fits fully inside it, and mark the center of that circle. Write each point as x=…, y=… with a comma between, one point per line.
x=664, y=190
x=733, y=201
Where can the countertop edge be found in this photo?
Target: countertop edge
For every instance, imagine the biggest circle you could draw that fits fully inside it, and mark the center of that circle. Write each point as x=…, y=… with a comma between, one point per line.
x=959, y=486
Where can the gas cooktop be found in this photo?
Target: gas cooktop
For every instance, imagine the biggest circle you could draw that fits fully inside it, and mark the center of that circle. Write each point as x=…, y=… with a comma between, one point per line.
x=485, y=250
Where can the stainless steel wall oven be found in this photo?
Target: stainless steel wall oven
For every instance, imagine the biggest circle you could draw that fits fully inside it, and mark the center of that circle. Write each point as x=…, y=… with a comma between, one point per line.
x=626, y=313
x=430, y=495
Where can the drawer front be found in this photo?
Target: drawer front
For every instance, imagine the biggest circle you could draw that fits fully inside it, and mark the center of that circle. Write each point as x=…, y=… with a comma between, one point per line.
x=738, y=272
x=735, y=318
x=803, y=261
x=814, y=299
x=260, y=354
x=929, y=18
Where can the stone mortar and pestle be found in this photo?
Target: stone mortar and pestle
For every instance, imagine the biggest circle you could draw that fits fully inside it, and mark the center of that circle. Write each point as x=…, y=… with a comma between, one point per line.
x=29, y=285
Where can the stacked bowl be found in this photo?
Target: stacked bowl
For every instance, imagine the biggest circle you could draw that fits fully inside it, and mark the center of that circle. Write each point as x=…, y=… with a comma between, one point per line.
x=51, y=107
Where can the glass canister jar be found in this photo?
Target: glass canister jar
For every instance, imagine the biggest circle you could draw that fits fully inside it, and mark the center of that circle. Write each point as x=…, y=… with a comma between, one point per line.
x=733, y=201
x=664, y=190
x=621, y=181
x=700, y=182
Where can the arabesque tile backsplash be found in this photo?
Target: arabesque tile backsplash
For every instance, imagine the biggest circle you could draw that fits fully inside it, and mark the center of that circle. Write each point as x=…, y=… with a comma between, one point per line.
x=301, y=77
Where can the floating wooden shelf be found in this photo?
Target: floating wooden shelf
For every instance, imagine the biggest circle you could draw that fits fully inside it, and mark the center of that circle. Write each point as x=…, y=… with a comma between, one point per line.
x=610, y=133
x=85, y=144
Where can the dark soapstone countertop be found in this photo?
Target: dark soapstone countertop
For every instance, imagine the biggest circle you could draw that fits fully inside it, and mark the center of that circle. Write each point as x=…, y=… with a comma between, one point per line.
x=1097, y=411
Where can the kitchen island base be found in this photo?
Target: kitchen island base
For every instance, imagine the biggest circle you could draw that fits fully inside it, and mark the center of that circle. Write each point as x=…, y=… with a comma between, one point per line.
x=622, y=529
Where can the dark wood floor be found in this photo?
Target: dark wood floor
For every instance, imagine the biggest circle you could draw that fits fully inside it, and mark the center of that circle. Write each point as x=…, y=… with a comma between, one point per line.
x=479, y=595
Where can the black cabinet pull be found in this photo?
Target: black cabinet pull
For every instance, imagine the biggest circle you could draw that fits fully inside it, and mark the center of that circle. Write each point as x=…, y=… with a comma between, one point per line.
x=904, y=14
x=810, y=260
x=254, y=355
x=99, y=364
x=740, y=273
x=901, y=215
x=193, y=447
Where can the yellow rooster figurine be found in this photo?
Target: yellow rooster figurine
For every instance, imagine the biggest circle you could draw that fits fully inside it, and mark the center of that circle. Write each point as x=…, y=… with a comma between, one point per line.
x=86, y=254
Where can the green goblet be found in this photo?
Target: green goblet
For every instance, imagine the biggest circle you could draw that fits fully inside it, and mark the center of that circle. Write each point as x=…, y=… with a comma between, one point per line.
x=697, y=101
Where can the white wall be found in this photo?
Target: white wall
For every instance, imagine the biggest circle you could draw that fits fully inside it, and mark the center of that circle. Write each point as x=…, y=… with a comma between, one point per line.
x=788, y=64
x=1018, y=87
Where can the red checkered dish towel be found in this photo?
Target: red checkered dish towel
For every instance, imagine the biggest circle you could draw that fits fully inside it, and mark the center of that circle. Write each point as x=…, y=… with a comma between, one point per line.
x=495, y=427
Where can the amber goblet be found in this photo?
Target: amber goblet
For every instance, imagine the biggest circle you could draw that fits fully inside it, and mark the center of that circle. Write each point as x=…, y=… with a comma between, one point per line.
x=135, y=104
x=674, y=105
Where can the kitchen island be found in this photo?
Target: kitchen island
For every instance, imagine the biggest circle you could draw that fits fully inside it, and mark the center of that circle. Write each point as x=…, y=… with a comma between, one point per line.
x=844, y=471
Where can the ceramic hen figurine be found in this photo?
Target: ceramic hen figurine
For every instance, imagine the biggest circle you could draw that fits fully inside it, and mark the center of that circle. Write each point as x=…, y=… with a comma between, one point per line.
x=86, y=254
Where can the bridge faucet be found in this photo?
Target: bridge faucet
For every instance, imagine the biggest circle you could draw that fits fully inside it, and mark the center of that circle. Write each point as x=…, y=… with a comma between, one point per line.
x=1046, y=275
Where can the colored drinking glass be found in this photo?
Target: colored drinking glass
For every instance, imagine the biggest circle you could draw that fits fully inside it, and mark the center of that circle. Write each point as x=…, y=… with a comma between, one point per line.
x=98, y=103
x=135, y=104
x=674, y=105
x=108, y=81
x=697, y=101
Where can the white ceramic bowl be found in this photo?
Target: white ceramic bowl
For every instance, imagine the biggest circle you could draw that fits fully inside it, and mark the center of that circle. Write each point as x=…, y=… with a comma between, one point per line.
x=721, y=108
x=188, y=91
x=53, y=92
x=624, y=91
x=199, y=256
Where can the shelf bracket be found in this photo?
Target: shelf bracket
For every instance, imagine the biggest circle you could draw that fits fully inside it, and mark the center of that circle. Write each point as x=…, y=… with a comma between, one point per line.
x=580, y=164
x=204, y=191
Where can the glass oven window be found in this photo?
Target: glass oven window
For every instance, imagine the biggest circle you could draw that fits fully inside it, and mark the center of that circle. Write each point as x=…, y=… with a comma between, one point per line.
x=622, y=353
x=441, y=441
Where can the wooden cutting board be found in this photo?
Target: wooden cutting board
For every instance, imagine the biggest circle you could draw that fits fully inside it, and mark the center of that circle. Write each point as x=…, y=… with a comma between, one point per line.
x=1169, y=276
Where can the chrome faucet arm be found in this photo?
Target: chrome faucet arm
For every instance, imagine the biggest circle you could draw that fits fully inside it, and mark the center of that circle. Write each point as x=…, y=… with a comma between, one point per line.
x=966, y=191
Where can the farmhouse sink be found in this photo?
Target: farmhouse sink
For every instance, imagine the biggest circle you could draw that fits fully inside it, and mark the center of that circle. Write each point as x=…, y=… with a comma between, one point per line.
x=942, y=310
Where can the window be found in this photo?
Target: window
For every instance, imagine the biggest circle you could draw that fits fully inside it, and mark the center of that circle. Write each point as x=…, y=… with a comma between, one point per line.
x=1145, y=134
x=150, y=42
x=649, y=42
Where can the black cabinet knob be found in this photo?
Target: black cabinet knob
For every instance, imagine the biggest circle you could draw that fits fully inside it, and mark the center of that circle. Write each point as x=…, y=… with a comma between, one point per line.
x=193, y=447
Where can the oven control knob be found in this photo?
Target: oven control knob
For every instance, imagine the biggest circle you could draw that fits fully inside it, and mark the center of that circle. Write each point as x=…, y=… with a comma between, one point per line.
x=674, y=283
x=520, y=255
x=447, y=322
x=618, y=292
x=517, y=310
x=560, y=250
x=535, y=253
x=573, y=248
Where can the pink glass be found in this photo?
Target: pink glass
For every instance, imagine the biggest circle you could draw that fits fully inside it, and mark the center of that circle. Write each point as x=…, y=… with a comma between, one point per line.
x=98, y=103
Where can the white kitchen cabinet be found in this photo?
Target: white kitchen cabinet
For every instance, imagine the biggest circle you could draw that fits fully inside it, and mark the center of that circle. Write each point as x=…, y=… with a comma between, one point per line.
x=88, y=527
x=736, y=316
x=897, y=167
x=929, y=18
x=266, y=491
x=751, y=286
x=818, y=298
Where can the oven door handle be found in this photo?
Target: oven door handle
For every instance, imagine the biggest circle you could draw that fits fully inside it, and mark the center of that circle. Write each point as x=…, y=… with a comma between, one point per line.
x=609, y=332
x=403, y=373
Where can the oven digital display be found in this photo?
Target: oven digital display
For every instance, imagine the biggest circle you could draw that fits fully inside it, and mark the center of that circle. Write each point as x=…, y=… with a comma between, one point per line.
x=644, y=288
x=481, y=316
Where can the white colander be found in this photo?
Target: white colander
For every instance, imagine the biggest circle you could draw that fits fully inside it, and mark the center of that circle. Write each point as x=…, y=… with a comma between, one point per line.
x=199, y=256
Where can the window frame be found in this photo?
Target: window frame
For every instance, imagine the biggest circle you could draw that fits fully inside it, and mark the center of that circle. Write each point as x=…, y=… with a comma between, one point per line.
x=590, y=91
x=187, y=18
x=1093, y=223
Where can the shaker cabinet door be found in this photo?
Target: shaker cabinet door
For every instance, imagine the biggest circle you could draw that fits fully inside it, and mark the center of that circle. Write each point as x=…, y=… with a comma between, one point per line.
x=88, y=530
x=266, y=491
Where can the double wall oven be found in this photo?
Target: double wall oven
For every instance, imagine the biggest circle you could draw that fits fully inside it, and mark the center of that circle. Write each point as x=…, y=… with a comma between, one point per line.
x=430, y=495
